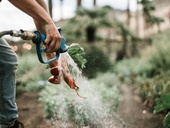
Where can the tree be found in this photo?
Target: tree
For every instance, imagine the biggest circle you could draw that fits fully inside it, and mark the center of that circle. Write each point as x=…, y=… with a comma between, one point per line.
x=86, y=23
x=94, y=3
x=92, y=20
x=149, y=18
x=128, y=13
x=129, y=40
x=50, y=6
x=137, y=17
x=78, y=4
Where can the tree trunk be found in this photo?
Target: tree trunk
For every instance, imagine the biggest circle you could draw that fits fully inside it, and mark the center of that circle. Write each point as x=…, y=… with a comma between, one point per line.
x=78, y=4
x=90, y=33
x=94, y=3
x=128, y=13
x=50, y=5
x=121, y=54
x=137, y=19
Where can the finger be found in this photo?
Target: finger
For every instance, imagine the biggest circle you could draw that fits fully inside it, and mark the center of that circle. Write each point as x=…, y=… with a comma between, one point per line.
x=50, y=47
x=56, y=46
x=47, y=40
x=47, y=44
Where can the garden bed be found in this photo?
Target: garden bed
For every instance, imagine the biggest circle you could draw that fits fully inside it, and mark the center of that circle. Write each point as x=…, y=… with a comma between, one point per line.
x=131, y=110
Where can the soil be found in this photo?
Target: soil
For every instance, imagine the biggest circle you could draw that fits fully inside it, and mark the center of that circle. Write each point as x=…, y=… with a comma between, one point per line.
x=132, y=110
x=135, y=113
x=30, y=111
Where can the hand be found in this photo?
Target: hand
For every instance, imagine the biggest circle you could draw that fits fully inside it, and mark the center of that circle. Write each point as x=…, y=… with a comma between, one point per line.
x=38, y=10
x=53, y=38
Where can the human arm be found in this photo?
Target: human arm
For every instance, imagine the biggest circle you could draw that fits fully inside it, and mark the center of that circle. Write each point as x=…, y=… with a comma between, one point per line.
x=38, y=24
x=44, y=23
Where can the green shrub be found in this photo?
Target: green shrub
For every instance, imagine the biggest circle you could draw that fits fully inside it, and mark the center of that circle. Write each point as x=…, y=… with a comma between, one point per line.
x=108, y=78
x=97, y=61
x=160, y=60
x=163, y=104
x=155, y=87
x=133, y=69
x=151, y=73
x=105, y=84
x=157, y=79
x=30, y=71
x=154, y=61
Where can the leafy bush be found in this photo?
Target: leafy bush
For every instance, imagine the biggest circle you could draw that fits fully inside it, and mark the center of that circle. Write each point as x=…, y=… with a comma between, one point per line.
x=105, y=84
x=158, y=73
x=133, y=69
x=162, y=104
x=159, y=60
x=97, y=62
x=155, y=87
x=29, y=72
x=153, y=60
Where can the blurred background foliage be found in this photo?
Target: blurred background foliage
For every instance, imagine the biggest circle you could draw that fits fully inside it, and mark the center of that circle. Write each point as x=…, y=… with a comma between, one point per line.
x=115, y=54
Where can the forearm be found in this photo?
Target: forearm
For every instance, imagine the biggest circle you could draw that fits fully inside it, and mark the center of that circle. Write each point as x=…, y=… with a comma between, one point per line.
x=38, y=25
x=42, y=4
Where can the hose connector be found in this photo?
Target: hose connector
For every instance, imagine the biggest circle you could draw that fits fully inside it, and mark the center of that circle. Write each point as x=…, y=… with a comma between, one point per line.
x=27, y=35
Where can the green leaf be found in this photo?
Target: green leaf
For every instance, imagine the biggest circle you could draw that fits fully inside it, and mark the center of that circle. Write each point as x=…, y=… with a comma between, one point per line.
x=77, y=53
x=166, y=122
x=163, y=103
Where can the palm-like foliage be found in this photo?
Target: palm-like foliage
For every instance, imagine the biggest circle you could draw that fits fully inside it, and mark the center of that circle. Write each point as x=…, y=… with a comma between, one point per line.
x=149, y=18
x=86, y=22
